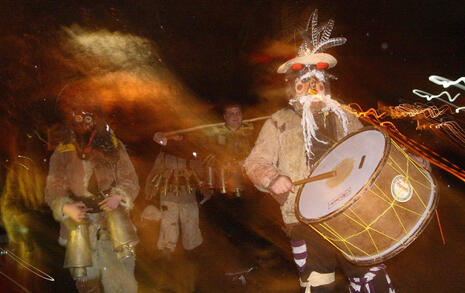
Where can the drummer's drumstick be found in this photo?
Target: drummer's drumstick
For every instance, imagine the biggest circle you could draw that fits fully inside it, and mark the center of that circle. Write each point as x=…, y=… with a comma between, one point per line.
x=186, y=130
x=322, y=176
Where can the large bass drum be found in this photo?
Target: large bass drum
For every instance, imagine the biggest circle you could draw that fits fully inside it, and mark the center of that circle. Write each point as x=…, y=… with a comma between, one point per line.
x=379, y=201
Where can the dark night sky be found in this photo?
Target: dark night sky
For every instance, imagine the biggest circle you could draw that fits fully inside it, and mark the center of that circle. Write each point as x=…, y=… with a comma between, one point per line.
x=207, y=43
x=392, y=48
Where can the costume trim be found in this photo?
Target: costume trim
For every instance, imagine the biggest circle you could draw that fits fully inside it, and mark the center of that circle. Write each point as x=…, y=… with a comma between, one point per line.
x=63, y=148
x=317, y=279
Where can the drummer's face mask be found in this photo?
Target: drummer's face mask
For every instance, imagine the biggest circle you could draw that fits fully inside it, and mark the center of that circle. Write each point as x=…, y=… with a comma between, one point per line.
x=83, y=122
x=305, y=81
x=308, y=84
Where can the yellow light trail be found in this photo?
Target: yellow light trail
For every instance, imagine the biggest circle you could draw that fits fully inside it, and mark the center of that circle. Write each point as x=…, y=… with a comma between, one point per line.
x=373, y=117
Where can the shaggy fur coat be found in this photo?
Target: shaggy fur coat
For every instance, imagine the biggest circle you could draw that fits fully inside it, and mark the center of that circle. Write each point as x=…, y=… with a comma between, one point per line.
x=280, y=150
x=69, y=174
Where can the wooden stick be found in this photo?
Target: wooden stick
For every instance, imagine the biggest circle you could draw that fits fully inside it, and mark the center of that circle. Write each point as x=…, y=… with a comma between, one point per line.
x=326, y=175
x=190, y=129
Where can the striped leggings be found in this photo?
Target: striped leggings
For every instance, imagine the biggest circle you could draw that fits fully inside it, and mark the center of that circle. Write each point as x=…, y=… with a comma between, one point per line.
x=316, y=261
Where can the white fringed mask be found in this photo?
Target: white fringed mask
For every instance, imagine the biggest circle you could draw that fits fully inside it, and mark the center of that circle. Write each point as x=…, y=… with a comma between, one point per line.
x=310, y=88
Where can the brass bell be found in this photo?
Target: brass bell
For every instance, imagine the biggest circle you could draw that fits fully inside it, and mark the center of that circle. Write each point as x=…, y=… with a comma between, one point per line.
x=156, y=185
x=165, y=188
x=210, y=177
x=78, y=254
x=188, y=182
x=123, y=233
x=176, y=183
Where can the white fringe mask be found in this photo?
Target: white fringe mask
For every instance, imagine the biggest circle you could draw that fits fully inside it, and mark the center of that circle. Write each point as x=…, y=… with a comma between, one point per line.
x=309, y=126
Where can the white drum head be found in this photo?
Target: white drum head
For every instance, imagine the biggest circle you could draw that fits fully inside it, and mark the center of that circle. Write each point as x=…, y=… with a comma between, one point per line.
x=355, y=159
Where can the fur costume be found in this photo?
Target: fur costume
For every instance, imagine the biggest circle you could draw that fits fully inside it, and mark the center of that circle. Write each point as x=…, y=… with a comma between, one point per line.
x=280, y=150
x=289, y=144
x=69, y=174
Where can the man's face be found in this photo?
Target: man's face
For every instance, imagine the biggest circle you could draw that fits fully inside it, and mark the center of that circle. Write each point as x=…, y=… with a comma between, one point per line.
x=233, y=117
x=83, y=122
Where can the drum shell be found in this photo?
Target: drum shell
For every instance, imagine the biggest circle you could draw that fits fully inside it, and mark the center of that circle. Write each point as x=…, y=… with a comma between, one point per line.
x=346, y=227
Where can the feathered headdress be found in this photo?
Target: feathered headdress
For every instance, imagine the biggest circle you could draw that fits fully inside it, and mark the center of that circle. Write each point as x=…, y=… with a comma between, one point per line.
x=314, y=42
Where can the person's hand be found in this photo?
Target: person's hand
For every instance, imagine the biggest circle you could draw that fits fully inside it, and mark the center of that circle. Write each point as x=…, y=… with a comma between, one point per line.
x=282, y=184
x=160, y=138
x=110, y=203
x=76, y=211
x=280, y=189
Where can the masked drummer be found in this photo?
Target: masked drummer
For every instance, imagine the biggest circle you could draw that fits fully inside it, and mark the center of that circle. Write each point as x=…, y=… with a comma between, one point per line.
x=290, y=142
x=91, y=161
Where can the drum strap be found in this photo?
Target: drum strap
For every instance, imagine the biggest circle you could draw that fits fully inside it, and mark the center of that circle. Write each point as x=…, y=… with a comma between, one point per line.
x=317, y=279
x=365, y=284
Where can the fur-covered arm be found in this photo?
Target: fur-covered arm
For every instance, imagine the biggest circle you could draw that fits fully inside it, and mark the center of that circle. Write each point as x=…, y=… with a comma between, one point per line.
x=261, y=164
x=127, y=184
x=56, y=187
x=354, y=122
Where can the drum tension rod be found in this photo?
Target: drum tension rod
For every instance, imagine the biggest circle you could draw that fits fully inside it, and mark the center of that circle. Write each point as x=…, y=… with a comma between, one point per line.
x=322, y=176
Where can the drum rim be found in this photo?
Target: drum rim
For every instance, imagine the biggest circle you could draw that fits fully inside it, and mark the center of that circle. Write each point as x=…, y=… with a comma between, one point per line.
x=357, y=196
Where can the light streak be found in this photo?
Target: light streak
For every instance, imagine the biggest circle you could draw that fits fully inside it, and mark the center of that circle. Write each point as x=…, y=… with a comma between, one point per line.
x=373, y=117
x=429, y=97
x=33, y=269
x=439, y=80
x=451, y=128
x=454, y=128
x=360, y=113
x=14, y=282
x=407, y=110
x=445, y=83
x=24, y=157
